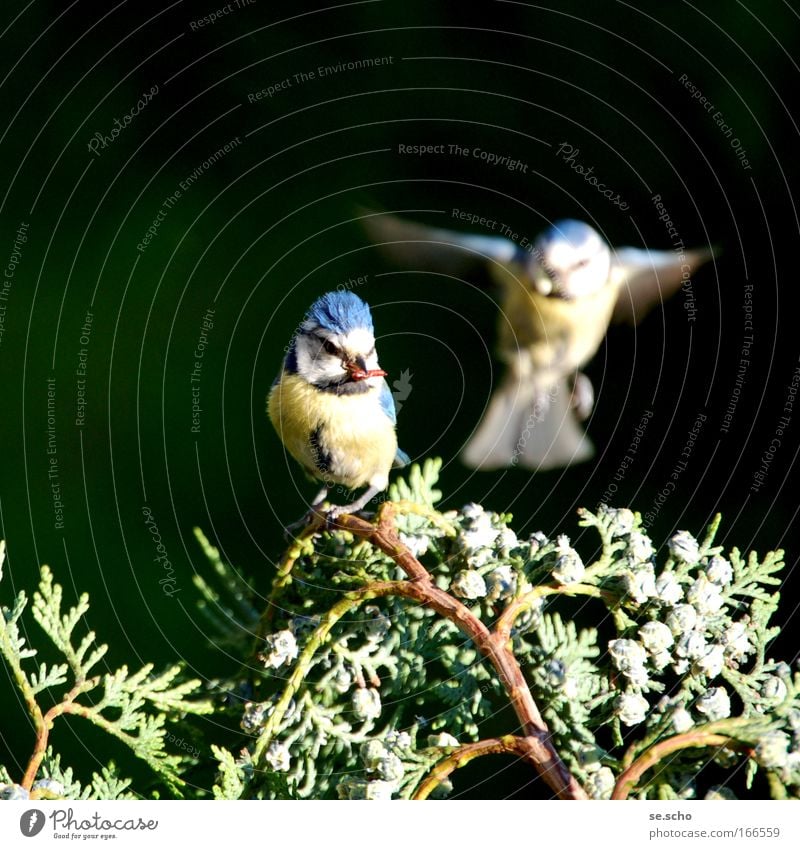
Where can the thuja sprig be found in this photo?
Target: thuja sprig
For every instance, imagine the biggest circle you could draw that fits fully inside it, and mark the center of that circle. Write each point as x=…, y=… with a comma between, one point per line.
x=58, y=782
x=228, y=609
x=422, y=619
x=534, y=742
x=132, y=707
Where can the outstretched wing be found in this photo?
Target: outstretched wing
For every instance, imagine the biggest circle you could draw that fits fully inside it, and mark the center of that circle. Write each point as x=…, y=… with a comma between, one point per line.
x=648, y=278
x=412, y=245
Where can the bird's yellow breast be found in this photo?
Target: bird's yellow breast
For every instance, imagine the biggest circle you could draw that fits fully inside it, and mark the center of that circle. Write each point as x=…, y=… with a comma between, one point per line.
x=559, y=335
x=341, y=439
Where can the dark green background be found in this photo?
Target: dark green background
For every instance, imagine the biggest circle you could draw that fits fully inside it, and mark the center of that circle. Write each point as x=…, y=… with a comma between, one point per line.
x=269, y=227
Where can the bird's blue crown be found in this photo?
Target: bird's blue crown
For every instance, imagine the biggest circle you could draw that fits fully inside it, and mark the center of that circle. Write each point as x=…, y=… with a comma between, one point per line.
x=569, y=230
x=340, y=312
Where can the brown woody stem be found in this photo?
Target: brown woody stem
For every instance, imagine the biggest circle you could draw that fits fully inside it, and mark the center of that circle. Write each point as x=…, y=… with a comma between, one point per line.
x=43, y=729
x=41, y=743
x=38, y=752
x=508, y=745
x=537, y=746
x=628, y=779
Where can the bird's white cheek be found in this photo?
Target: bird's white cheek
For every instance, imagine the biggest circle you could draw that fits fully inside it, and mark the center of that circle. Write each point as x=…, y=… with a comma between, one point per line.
x=586, y=281
x=319, y=369
x=333, y=370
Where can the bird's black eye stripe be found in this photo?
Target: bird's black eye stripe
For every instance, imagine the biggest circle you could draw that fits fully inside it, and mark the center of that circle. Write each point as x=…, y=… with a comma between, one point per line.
x=331, y=348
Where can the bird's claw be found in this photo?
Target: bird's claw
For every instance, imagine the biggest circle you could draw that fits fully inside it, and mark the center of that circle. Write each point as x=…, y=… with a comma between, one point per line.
x=311, y=516
x=331, y=515
x=325, y=519
x=290, y=532
x=582, y=396
x=334, y=513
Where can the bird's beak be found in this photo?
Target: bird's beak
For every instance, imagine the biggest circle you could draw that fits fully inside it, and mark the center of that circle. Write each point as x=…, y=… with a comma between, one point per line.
x=357, y=369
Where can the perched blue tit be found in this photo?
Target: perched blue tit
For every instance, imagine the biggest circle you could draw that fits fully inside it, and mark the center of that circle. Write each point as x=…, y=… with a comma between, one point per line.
x=331, y=406
x=558, y=295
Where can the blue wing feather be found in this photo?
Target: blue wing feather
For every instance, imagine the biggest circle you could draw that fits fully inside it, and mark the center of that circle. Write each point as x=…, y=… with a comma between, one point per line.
x=401, y=459
x=387, y=403
x=386, y=400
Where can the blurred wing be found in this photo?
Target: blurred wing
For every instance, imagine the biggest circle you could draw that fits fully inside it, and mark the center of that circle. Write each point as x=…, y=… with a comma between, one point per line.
x=648, y=278
x=414, y=246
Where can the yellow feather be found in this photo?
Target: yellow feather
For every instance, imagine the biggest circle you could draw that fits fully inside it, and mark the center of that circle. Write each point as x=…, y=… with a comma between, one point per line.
x=558, y=335
x=357, y=433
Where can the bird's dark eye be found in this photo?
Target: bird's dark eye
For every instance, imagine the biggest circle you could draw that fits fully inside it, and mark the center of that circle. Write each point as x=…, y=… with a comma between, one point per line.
x=582, y=264
x=330, y=348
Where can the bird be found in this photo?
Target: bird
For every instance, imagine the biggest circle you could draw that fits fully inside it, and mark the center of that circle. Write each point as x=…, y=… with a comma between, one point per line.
x=331, y=405
x=558, y=294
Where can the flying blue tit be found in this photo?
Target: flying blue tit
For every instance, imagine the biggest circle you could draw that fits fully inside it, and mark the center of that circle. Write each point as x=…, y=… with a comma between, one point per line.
x=331, y=406
x=558, y=295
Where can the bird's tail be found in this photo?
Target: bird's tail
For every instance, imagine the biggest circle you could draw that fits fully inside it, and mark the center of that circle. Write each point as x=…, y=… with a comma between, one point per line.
x=530, y=426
